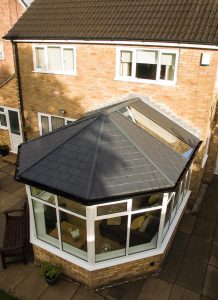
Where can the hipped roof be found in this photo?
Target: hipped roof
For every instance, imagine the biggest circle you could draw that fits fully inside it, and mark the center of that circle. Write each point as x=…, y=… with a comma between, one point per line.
x=104, y=156
x=180, y=21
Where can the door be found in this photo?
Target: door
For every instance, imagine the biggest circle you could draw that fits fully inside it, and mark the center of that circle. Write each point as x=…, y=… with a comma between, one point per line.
x=14, y=129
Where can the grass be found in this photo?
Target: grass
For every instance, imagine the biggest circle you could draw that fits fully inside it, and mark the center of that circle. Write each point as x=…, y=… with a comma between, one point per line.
x=5, y=296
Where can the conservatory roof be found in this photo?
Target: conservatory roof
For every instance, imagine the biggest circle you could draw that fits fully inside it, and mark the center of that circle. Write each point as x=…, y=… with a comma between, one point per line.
x=107, y=155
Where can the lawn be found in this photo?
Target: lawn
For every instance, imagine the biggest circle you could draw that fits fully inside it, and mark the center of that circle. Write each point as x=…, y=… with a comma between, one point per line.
x=5, y=296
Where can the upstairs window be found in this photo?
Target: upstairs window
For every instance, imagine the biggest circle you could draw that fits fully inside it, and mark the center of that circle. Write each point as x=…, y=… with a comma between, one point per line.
x=151, y=66
x=1, y=51
x=54, y=59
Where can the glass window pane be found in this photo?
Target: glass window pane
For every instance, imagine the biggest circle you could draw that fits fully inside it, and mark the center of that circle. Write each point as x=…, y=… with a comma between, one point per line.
x=110, y=238
x=54, y=59
x=45, y=124
x=111, y=209
x=14, y=122
x=3, y=121
x=46, y=223
x=146, y=64
x=73, y=234
x=167, y=66
x=43, y=195
x=144, y=231
x=72, y=205
x=159, y=133
x=40, y=58
x=2, y=109
x=57, y=122
x=68, y=60
x=146, y=201
x=126, y=63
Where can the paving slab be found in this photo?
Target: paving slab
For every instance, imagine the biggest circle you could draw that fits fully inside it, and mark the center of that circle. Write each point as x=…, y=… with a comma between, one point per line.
x=181, y=293
x=31, y=287
x=127, y=291
x=180, y=244
x=2, y=175
x=2, y=163
x=21, y=192
x=204, y=228
x=63, y=290
x=198, y=248
x=7, y=169
x=3, y=195
x=191, y=274
x=214, y=255
x=13, y=275
x=208, y=210
x=205, y=298
x=187, y=223
x=11, y=202
x=155, y=289
x=170, y=267
x=8, y=179
x=83, y=294
x=211, y=283
x=12, y=187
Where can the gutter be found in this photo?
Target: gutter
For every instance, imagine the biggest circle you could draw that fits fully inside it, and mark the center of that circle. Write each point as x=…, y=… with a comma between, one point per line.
x=118, y=42
x=17, y=72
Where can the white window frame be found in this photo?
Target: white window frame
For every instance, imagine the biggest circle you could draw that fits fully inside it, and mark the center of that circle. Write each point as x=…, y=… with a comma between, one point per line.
x=4, y=113
x=133, y=78
x=2, y=51
x=45, y=47
x=49, y=120
x=91, y=217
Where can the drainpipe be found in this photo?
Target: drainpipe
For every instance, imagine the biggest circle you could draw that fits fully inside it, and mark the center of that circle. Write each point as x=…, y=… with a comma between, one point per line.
x=17, y=73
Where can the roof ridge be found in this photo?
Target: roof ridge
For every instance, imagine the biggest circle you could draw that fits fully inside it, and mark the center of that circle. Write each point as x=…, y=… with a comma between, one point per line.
x=139, y=149
x=94, y=162
x=56, y=147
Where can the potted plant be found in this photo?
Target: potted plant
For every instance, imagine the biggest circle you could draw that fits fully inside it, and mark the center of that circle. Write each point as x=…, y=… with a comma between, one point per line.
x=50, y=272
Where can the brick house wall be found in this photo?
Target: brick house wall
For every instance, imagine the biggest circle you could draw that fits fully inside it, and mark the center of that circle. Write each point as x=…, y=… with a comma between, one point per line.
x=10, y=11
x=192, y=98
x=8, y=97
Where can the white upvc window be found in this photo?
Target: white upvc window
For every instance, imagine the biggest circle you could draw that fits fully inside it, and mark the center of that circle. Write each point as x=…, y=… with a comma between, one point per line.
x=3, y=118
x=1, y=51
x=147, y=65
x=49, y=123
x=55, y=59
x=106, y=234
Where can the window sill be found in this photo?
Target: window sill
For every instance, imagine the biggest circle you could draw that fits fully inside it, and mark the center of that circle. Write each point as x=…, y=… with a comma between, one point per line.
x=136, y=80
x=55, y=73
x=3, y=128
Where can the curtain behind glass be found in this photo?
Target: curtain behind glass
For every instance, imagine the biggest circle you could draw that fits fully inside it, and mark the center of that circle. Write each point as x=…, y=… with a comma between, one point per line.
x=68, y=60
x=54, y=59
x=57, y=122
x=45, y=124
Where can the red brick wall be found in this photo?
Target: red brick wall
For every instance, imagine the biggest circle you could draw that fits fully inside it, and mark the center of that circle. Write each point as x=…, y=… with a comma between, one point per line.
x=10, y=11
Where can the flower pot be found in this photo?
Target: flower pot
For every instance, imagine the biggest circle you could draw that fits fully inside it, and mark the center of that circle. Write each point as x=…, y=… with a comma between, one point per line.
x=51, y=281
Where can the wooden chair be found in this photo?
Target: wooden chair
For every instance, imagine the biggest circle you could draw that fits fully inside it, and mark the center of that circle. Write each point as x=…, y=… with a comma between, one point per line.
x=16, y=236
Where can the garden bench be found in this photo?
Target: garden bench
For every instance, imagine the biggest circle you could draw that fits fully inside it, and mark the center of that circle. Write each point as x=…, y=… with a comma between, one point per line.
x=16, y=236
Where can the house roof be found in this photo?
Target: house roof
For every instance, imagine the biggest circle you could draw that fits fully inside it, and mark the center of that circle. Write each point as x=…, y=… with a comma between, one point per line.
x=187, y=21
x=104, y=156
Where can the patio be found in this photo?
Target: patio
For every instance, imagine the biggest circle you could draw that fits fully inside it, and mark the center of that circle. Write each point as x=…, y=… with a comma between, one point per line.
x=189, y=271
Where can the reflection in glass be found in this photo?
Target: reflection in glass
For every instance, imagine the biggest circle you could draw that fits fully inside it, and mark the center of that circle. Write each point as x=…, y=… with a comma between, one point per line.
x=147, y=201
x=72, y=205
x=158, y=132
x=43, y=195
x=144, y=231
x=111, y=209
x=73, y=234
x=110, y=238
x=46, y=223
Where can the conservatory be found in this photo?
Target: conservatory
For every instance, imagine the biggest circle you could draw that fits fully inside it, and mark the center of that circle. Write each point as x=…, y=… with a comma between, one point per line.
x=106, y=193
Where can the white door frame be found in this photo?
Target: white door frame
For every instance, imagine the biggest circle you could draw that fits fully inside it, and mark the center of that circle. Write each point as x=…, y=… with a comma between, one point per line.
x=6, y=108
